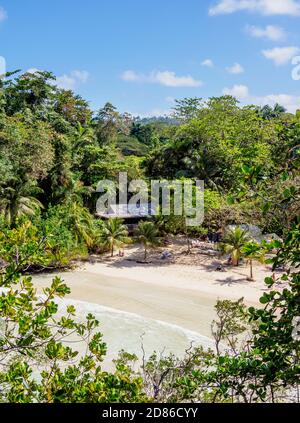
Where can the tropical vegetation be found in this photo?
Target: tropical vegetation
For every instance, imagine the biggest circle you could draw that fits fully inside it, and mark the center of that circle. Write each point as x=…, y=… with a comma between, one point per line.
x=54, y=151
x=148, y=235
x=256, y=357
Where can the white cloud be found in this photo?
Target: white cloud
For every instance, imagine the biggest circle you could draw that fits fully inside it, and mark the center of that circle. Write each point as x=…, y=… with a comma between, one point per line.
x=264, y=7
x=208, y=63
x=69, y=82
x=3, y=14
x=235, y=69
x=165, y=78
x=290, y=102
x=270, y=32
x=241, y=92
x=170, y=79
x=81, y=76
x=170, y=100
x=130, y=76
x=281, y=55
x=66, y=82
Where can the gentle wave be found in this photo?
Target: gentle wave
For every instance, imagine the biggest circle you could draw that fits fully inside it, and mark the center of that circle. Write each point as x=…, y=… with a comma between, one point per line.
x=133, y=333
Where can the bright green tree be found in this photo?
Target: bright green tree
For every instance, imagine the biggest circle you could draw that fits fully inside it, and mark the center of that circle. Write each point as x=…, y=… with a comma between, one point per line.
x=233, y=243
x=114, y=234
x=253, y=251
x=148, y=235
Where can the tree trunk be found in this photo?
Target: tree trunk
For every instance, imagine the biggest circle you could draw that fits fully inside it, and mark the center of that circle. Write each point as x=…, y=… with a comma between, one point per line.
x=13, y=213
x=188, y=244
x=145, y=254
x=235, y=261
x=112, y=250
x=251, y=270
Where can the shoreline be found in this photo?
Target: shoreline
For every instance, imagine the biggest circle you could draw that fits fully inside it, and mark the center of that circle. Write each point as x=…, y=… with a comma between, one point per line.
x=183, y=295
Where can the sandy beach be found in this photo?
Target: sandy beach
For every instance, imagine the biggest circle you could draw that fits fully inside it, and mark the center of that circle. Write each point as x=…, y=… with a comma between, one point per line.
x=179, y=294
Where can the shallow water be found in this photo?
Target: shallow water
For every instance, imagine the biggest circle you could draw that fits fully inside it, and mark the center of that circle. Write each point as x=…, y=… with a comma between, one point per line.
x=133, y=313
x=128, y=331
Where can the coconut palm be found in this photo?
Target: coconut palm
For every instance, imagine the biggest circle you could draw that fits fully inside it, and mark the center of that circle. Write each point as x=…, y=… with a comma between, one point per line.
x=82, y=137
x=80, y=219
x=18, y=200
x=148, y=235
x=253, y=251
x=74, y=191
x=114, y=233
x=233, y=243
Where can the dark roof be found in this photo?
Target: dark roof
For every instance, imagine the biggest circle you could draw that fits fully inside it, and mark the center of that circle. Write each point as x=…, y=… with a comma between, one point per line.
x=128, y=211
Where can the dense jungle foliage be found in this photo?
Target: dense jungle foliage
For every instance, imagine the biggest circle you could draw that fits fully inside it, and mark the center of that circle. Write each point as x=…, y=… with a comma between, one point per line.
x=54, y=150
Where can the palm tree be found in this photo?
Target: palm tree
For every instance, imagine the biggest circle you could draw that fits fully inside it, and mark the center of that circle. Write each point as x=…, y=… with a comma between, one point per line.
x=74, y=191
x=82, y=137
x=148, y=235
x=82, y=223
x=253, y=251
x=18, y=200
x=114, y=233
x=233, y=243
x=270, y=113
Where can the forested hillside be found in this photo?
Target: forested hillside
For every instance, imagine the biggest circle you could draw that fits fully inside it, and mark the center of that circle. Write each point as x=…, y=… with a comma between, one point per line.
x=55, y=149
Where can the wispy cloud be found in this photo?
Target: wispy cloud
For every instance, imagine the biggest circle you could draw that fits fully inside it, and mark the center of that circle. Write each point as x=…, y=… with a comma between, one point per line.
x=241, y=92
x=290, y=102
x=208, y=63
x=170, y=100
x=3, y=14
x=165, y=78
x=80, y=75
x=270, y=32
x=69, y=82
x=131, y=76
x=281, y=55
x=263, y=7
x=235, y=69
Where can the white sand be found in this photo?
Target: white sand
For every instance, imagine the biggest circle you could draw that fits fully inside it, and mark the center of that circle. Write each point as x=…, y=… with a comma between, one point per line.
x=182, y=295
x=165, y=306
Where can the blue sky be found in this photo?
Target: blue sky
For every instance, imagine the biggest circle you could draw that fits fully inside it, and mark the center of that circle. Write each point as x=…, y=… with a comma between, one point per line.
x=141, y=55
